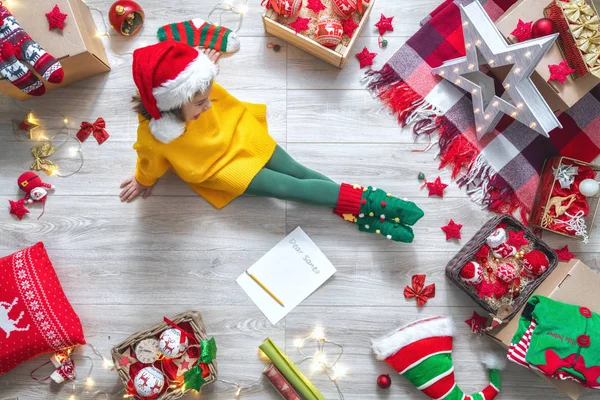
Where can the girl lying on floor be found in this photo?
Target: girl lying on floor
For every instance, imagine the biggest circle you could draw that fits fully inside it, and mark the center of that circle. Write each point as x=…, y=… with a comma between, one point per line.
x=221, y=146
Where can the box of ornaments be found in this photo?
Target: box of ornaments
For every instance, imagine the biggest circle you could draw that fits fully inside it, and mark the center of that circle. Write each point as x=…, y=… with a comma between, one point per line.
x=567, y=199
x=327, y=29
x=501, y=266
x=167, y=360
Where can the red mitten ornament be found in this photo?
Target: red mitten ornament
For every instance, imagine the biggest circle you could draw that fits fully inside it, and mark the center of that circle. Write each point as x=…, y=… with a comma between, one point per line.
x=35, y=315
x=17, y=46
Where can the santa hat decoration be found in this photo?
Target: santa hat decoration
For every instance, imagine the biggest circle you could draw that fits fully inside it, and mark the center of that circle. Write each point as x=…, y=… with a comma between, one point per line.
x=168, y=75
x=422, y=352
x=34, y=187
x=472, y=273
x=534, y=263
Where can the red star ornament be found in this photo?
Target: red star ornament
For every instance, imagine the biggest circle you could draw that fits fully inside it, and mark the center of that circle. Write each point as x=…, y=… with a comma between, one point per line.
x=126, y=359
x=18, y=208
x=300, y=24
x=419, y=290
x=517, y=239
x=316, y=6
x=349, y=26
x=436, y=188
x=564, y=254
x=365, y=57
x=452, y=230
x=184, y=363
x=476, y=322
x=56, y=19
x=559, y=72
x=523, y=31
x=385, y=24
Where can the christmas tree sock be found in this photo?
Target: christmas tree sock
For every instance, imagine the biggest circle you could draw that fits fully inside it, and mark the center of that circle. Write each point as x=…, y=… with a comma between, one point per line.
x=422, y=353
x=390, y=230
x=18, y=46
x=377, y=202
x=197, y=32
x=363, y=206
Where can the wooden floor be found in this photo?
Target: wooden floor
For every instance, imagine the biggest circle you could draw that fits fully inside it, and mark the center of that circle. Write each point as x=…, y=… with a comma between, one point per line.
x=125, y=266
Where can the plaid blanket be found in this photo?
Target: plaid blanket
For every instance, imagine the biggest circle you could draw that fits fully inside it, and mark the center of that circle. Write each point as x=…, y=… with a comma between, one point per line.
x=500, y=172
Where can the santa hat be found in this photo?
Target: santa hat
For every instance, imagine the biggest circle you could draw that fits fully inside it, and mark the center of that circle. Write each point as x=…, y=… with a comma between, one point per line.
x=422, y=352
x=28, y=182
x=472, y=273
x=169, y=75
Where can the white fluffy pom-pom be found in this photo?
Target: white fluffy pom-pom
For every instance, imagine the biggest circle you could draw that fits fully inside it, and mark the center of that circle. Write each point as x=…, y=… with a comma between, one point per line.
x=494, y=360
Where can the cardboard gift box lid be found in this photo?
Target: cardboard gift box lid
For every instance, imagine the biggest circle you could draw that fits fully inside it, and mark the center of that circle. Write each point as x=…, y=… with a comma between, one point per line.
x=573, y=283
x=78, y=47
x=559, y=97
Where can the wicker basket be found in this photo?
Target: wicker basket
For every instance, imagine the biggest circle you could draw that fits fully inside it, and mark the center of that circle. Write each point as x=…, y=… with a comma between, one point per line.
x=467, y=253
x=194, y=319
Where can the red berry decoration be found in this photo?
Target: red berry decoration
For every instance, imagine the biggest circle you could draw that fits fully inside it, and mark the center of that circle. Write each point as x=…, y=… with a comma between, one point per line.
x=384, y=381
x=542, y=27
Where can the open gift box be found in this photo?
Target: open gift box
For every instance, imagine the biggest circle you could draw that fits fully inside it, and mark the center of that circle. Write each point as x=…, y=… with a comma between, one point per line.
x=559, y=97
x=572, y=283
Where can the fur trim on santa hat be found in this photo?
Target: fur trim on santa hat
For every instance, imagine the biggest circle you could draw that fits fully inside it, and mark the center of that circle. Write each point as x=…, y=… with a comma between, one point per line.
x=425, y=328
x=493, y=360
x=168, y=128
x=196, y=77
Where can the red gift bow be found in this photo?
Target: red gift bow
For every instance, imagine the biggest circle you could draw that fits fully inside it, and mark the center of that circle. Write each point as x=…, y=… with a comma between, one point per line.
x=419, y=290
x=97, y=129
x=183, y=335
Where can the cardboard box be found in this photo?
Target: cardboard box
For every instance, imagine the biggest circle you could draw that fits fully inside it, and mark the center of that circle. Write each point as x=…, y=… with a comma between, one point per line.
x=78, y=47
x=559, y=97
x=336, y=57
x=572, y=283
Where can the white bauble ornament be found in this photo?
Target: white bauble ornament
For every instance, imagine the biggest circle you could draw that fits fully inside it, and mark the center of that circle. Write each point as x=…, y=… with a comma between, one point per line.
x=149, y=382
x=589, y=187
x=171, y=344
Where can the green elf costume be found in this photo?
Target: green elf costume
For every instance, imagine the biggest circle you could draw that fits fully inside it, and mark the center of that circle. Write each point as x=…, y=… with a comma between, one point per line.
x=422, y=353
x=560, y=340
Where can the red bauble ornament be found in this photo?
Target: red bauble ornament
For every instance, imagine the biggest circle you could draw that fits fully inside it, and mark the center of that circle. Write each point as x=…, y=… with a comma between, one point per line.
x=126, y=17
x=384, y=381
x=329, y=32
x=285, y=8
x=542, y=27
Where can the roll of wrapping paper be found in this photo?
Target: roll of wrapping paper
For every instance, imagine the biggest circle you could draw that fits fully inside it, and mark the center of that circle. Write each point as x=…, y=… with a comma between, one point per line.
x=290, y=371
x=281, y=384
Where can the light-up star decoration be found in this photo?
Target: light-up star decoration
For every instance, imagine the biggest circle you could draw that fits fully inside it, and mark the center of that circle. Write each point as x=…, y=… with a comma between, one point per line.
x=484, y=45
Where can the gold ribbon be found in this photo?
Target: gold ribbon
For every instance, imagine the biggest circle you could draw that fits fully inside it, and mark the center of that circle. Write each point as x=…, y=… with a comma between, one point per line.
x=589, y=44
x=595, y=70
x=40, y=161
x=591, y=59
x=585, y=27
x=574, y=9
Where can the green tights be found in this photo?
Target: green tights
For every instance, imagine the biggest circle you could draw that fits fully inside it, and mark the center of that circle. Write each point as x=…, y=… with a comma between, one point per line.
x=286, y=179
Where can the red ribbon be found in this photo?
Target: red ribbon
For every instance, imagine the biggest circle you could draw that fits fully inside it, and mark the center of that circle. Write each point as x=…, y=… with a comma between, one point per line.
x=183, y=335
x=419, y=290
x=97, y=129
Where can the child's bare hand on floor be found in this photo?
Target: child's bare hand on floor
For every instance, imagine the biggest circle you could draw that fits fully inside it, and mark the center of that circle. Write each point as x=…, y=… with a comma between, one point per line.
x=132, y=189
x=212, y=54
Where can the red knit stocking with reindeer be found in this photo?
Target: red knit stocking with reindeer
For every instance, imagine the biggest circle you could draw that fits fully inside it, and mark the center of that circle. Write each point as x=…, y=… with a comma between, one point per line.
x=16, y=47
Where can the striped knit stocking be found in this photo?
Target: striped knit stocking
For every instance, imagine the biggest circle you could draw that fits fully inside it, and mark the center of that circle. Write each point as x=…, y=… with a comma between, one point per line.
x=16, y=46
x=422, y=353
x=197, y=32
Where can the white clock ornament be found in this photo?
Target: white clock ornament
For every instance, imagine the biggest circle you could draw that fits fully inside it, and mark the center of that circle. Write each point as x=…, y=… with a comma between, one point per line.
x=171, y=344
x=484, y=45
x=147, y=350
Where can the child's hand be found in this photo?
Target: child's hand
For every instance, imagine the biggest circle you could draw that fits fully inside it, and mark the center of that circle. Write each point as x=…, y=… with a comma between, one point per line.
x=212, y=54
x=132, y=188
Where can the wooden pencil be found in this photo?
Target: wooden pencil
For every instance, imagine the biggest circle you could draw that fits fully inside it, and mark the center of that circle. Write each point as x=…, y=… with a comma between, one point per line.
x=255, y=279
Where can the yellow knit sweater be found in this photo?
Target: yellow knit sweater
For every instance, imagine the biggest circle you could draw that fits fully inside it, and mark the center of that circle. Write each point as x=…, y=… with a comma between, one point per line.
x=218, y=155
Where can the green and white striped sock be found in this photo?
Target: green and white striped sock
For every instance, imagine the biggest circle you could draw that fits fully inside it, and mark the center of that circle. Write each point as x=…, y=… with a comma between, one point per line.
x=197, y=32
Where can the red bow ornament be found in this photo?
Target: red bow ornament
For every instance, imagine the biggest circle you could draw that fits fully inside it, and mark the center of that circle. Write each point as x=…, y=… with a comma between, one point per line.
x=419, y=290
x=97, y=129
x=183, y=335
